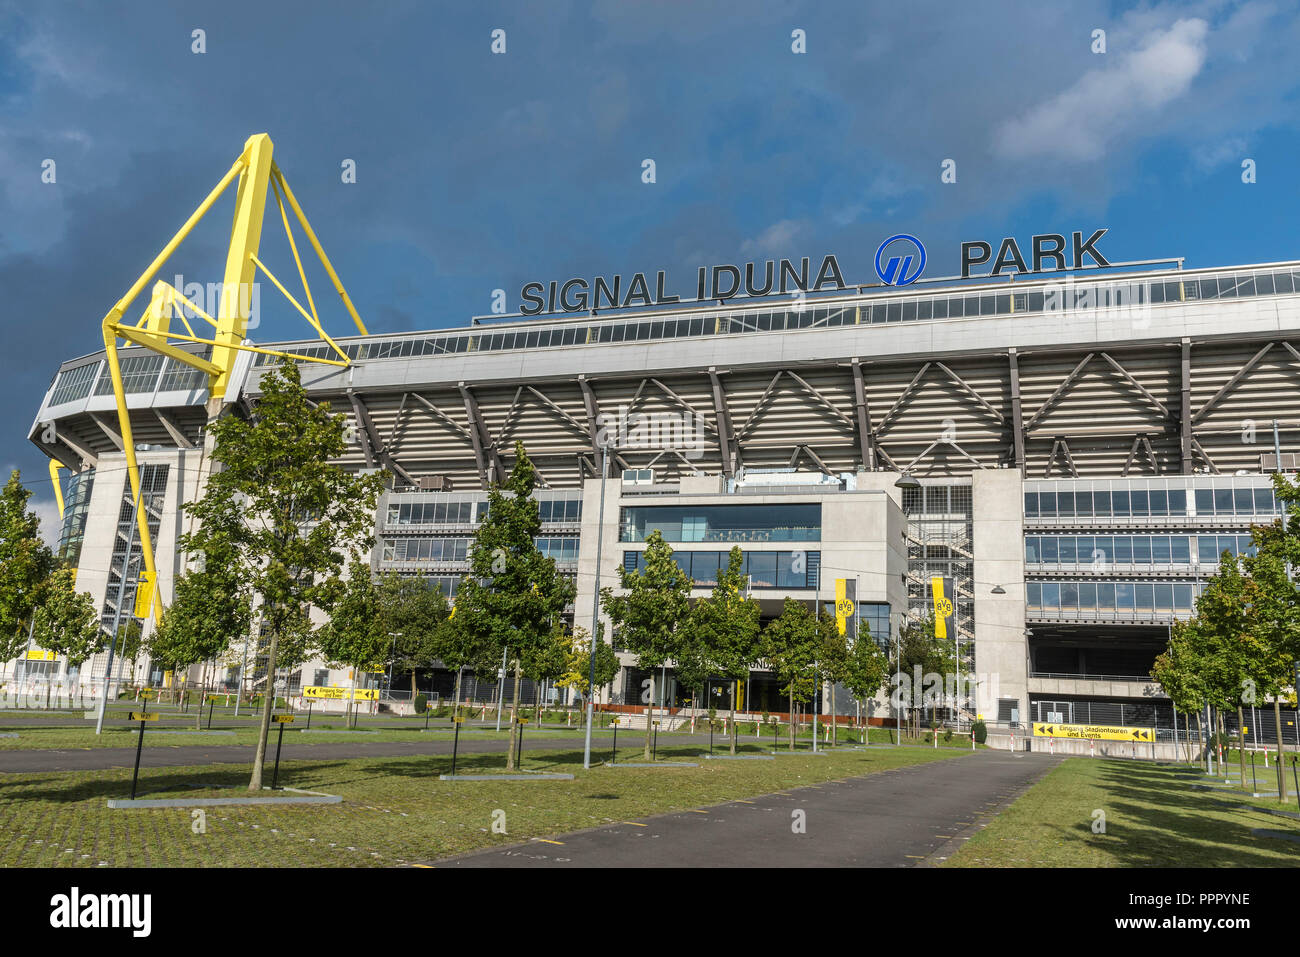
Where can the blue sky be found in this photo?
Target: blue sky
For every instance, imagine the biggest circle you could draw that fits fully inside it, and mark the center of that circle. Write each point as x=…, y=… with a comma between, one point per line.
x=478, y=171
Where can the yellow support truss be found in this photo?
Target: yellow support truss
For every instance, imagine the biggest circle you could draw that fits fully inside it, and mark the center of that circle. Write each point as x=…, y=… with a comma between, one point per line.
x=255, y=171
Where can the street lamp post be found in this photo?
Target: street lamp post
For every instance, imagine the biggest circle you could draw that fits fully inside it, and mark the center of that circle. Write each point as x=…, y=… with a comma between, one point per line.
x=595, y=606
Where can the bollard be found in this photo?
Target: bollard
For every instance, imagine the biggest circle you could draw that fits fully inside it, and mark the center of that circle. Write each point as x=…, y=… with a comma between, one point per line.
x=211, y=703
x=613, y=755
x=1254, y=786
x=455, y=743
x=654, y=749
x=1296, y=779
x=142, y=717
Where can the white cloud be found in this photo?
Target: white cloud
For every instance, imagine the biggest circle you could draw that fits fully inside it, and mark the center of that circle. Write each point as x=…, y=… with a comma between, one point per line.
x=777, y=239
x=47, y=510
x=1080, y=122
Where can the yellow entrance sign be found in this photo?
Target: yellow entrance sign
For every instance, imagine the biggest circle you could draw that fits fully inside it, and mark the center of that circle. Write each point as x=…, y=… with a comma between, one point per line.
x=342, y=694
x=39, y=654
x=144, y=715
x=1100, y=732
x=282, y=718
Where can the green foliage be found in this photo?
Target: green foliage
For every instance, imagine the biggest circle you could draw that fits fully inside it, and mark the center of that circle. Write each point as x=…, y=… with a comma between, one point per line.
x=577, y=672
x=650, y=616
x=725, y=625
x=513, y=595
x=790, y=645
x=413, y=612
x=211, y=607
x=356, y=633
x=981, y=732
x=918, y=645
x=67, y=621
x=25, y=565
x=282, y=515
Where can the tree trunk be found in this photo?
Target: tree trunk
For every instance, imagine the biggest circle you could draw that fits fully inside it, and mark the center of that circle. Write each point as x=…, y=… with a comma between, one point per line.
x=455, y=696
x=649, y=717
x=792, y=716
x=834, y=723
x=198, y=712
x=512, y=755
x=264, y=726
x=1200, y=730
x=1281, y=775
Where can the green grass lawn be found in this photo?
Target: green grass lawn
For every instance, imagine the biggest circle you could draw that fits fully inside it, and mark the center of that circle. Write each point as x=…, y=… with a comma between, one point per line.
x=395, y=810
x=1153, y=819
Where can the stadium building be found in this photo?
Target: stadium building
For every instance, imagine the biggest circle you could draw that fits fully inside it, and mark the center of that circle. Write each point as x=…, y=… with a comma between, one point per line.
x=1074, y=450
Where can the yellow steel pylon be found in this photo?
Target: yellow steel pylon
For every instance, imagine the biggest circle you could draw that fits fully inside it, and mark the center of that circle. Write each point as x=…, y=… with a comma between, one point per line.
x=255, y=171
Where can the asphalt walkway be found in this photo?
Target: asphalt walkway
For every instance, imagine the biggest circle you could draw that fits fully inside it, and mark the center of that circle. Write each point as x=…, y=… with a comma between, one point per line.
x=909, y=816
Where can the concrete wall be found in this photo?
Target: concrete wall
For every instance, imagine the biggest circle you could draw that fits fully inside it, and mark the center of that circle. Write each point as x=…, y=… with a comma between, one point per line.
x=1001, y=649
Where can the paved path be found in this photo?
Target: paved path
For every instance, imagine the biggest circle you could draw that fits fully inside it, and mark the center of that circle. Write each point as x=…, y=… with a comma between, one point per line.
x=900, y=818
x=193, y=755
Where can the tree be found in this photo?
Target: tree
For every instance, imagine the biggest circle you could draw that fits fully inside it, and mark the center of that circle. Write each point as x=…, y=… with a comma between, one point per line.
x=211, y=606
x=513, y=595
x=790, y=644
x=651, y=615
x=283, y=515
x=726, y=626
x=923, y=660
x=356, y=635
x=832, y=660
x=26, y=563
x=866, y=667
x=67, y=621
x=412, y=609
x=577, y=669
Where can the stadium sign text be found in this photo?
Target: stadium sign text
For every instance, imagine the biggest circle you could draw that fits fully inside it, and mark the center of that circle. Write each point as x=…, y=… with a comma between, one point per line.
x=1047, y=247
x=711, y=282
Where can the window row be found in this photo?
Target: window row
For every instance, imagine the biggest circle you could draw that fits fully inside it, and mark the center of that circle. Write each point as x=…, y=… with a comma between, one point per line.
x=1102, y=550
x=796, y=569
x=467, y=513
x=561, y=548
x=1241, y=502
x=1110, y=596
x=722, y=523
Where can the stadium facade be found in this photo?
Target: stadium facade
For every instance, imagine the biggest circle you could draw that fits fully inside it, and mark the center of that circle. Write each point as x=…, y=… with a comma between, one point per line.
x=1074, y=450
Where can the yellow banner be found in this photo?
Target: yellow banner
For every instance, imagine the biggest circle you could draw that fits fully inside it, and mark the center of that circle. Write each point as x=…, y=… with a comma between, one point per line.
x=143, y=596
x=341, y=694
x=942, y=608
x=39, y=654
x=843, y=604
x=1099, y=732
x=144, y=715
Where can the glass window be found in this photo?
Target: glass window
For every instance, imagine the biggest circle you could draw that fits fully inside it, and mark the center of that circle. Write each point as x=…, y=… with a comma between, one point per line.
x=1160, y=550
x=909, y=311
x=1159, y=501
x=1282, y=281
x=762, y=569
x=1083, y=549
x=940, y=307
x=1223, y=501
x=1141, y=549
x=1106, y=595
x=1031, y=549
x=1083, y=504
x=1104, y=549
x=1143, y=596
x=792, y=570
x=1183, y=597
x=1180, y=550
x=1031, y=504
x=1204, y=502
x=925, y=309
x=893, y=312
x=1047, y=504
x=1263, y=501
x=1048, y=545
x=1101, y=504
x=1069, y=595
x=1124, y=596
x=1065, y=548
x=1243, y=499
x=1065, y=504
x=1207, y=549
x=1177, y=501
x=1124, y=549
x=1164, y=596
x=1119, y=503
x=1140, y=502
x=1051, y=595
x=1087, y=595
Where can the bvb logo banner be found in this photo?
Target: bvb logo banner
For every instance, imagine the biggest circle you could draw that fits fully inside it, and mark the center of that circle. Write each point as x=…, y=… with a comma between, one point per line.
x=945, y=624
x=845, y=620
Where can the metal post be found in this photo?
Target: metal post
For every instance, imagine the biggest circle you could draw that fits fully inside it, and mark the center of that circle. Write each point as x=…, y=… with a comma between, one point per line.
x=135, y=776
x=816, y=710
x=211, y=704
x=309, y=704
x=455, y=745
x=654, y=751
x=117, y=614
x=279, y=741
x=501, y=686
x=614, y=753
x=595, y=606
x=239, y=689
x=519, y=752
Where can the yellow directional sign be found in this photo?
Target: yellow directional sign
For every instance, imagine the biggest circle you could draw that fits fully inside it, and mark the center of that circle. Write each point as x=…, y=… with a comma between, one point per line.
x=282, y=718
x=40, y=654
x=144, y=716
x=341, y=694
x=458, y=720
x=1099, y=732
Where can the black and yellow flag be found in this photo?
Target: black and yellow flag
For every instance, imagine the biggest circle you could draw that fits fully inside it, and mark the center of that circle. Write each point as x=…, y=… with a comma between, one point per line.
x=846, y=607
x=945, y=620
